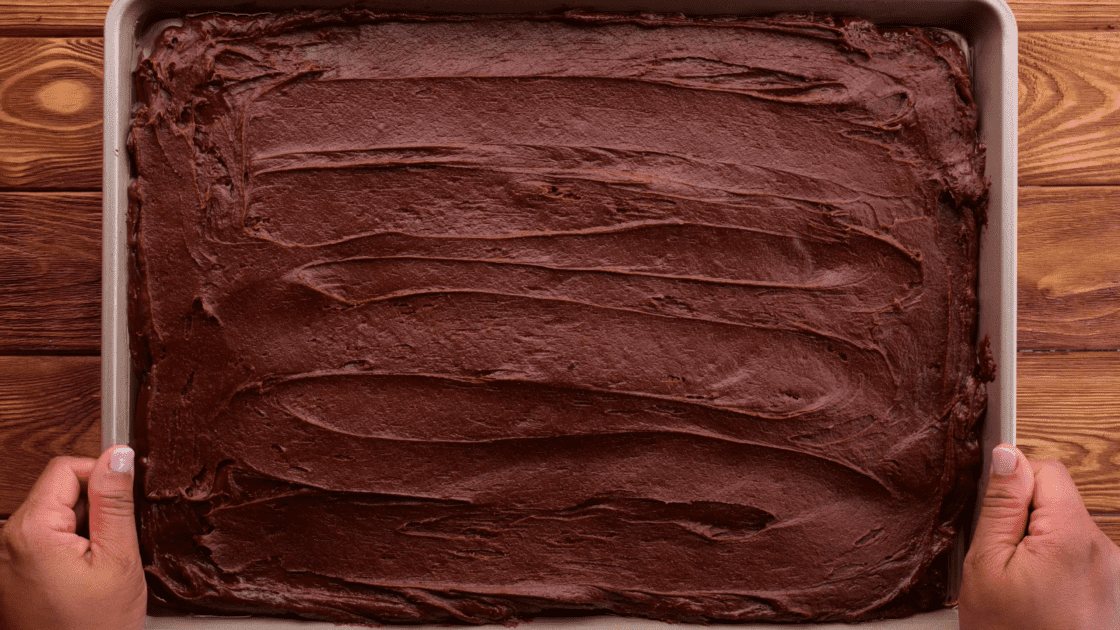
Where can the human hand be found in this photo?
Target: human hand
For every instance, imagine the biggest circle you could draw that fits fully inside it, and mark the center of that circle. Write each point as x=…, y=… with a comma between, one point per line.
x=51, y=577
x=1064, y=574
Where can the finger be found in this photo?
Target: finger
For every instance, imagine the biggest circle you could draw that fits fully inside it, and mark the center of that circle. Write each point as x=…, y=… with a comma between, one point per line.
x=1054, y=486
x=112, y=524
x=1003, y=512
x=45, y=523
x=58, y=488
x=1056, y=501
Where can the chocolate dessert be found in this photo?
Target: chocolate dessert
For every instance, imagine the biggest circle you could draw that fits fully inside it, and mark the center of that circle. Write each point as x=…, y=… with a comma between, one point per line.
x=469, y=318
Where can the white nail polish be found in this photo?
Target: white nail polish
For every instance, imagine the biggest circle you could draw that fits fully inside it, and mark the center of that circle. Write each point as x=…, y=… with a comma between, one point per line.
x=121, y=460
x=1004, y=461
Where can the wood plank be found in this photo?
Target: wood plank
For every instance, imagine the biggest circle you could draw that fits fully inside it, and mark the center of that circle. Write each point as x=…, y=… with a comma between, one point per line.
x=1051, y=15
x=53, y=17
x=50, y=113
x=1069, y=118
x=48, y=406
x=50, y=273
x=1069, y=410
x=1069, y=268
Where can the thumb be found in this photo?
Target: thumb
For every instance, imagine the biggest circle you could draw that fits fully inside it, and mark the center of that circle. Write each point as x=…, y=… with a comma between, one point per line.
x=112, y=524
x=1004, y=509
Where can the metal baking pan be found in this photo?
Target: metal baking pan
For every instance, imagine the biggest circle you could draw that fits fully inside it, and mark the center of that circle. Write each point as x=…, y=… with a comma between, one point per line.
x=987, y=27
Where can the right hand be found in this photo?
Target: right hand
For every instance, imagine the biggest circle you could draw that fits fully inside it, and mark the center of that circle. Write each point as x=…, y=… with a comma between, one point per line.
x=1050, y=569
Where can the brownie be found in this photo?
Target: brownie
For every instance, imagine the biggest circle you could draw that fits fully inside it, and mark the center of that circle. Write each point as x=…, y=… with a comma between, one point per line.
x=481, y=318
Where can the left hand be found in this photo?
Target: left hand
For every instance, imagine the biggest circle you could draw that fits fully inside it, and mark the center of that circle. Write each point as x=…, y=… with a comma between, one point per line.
x=50, y=576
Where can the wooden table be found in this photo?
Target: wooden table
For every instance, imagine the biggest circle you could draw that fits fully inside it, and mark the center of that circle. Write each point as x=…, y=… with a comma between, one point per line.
x=1069, y=240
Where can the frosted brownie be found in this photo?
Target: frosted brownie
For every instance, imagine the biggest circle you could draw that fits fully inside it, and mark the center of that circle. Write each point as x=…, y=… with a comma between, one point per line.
x=472, y=318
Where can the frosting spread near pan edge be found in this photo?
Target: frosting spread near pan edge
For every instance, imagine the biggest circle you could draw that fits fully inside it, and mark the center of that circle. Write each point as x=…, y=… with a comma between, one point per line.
x=474, y=318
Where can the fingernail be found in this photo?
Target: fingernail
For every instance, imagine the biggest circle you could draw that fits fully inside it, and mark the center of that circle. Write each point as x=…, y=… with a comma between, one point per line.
x=121, y=460
x=1004, y=461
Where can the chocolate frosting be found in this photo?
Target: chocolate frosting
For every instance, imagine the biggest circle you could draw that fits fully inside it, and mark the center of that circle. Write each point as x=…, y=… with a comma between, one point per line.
x=479, y=318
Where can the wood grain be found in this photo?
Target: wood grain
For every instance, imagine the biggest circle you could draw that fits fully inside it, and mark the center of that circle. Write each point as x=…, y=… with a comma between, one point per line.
x=1110, y=525
x=1069, y=410
x=50, y=113
x=48, y=406
x=50, y=273
x=1069, y=268
x=1069, y=109
x=53, y=17
x=1052, y=15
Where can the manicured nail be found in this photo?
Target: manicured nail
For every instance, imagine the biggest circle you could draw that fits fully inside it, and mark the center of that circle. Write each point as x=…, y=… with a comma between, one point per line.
x=1004, y=461
x=121, y=460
